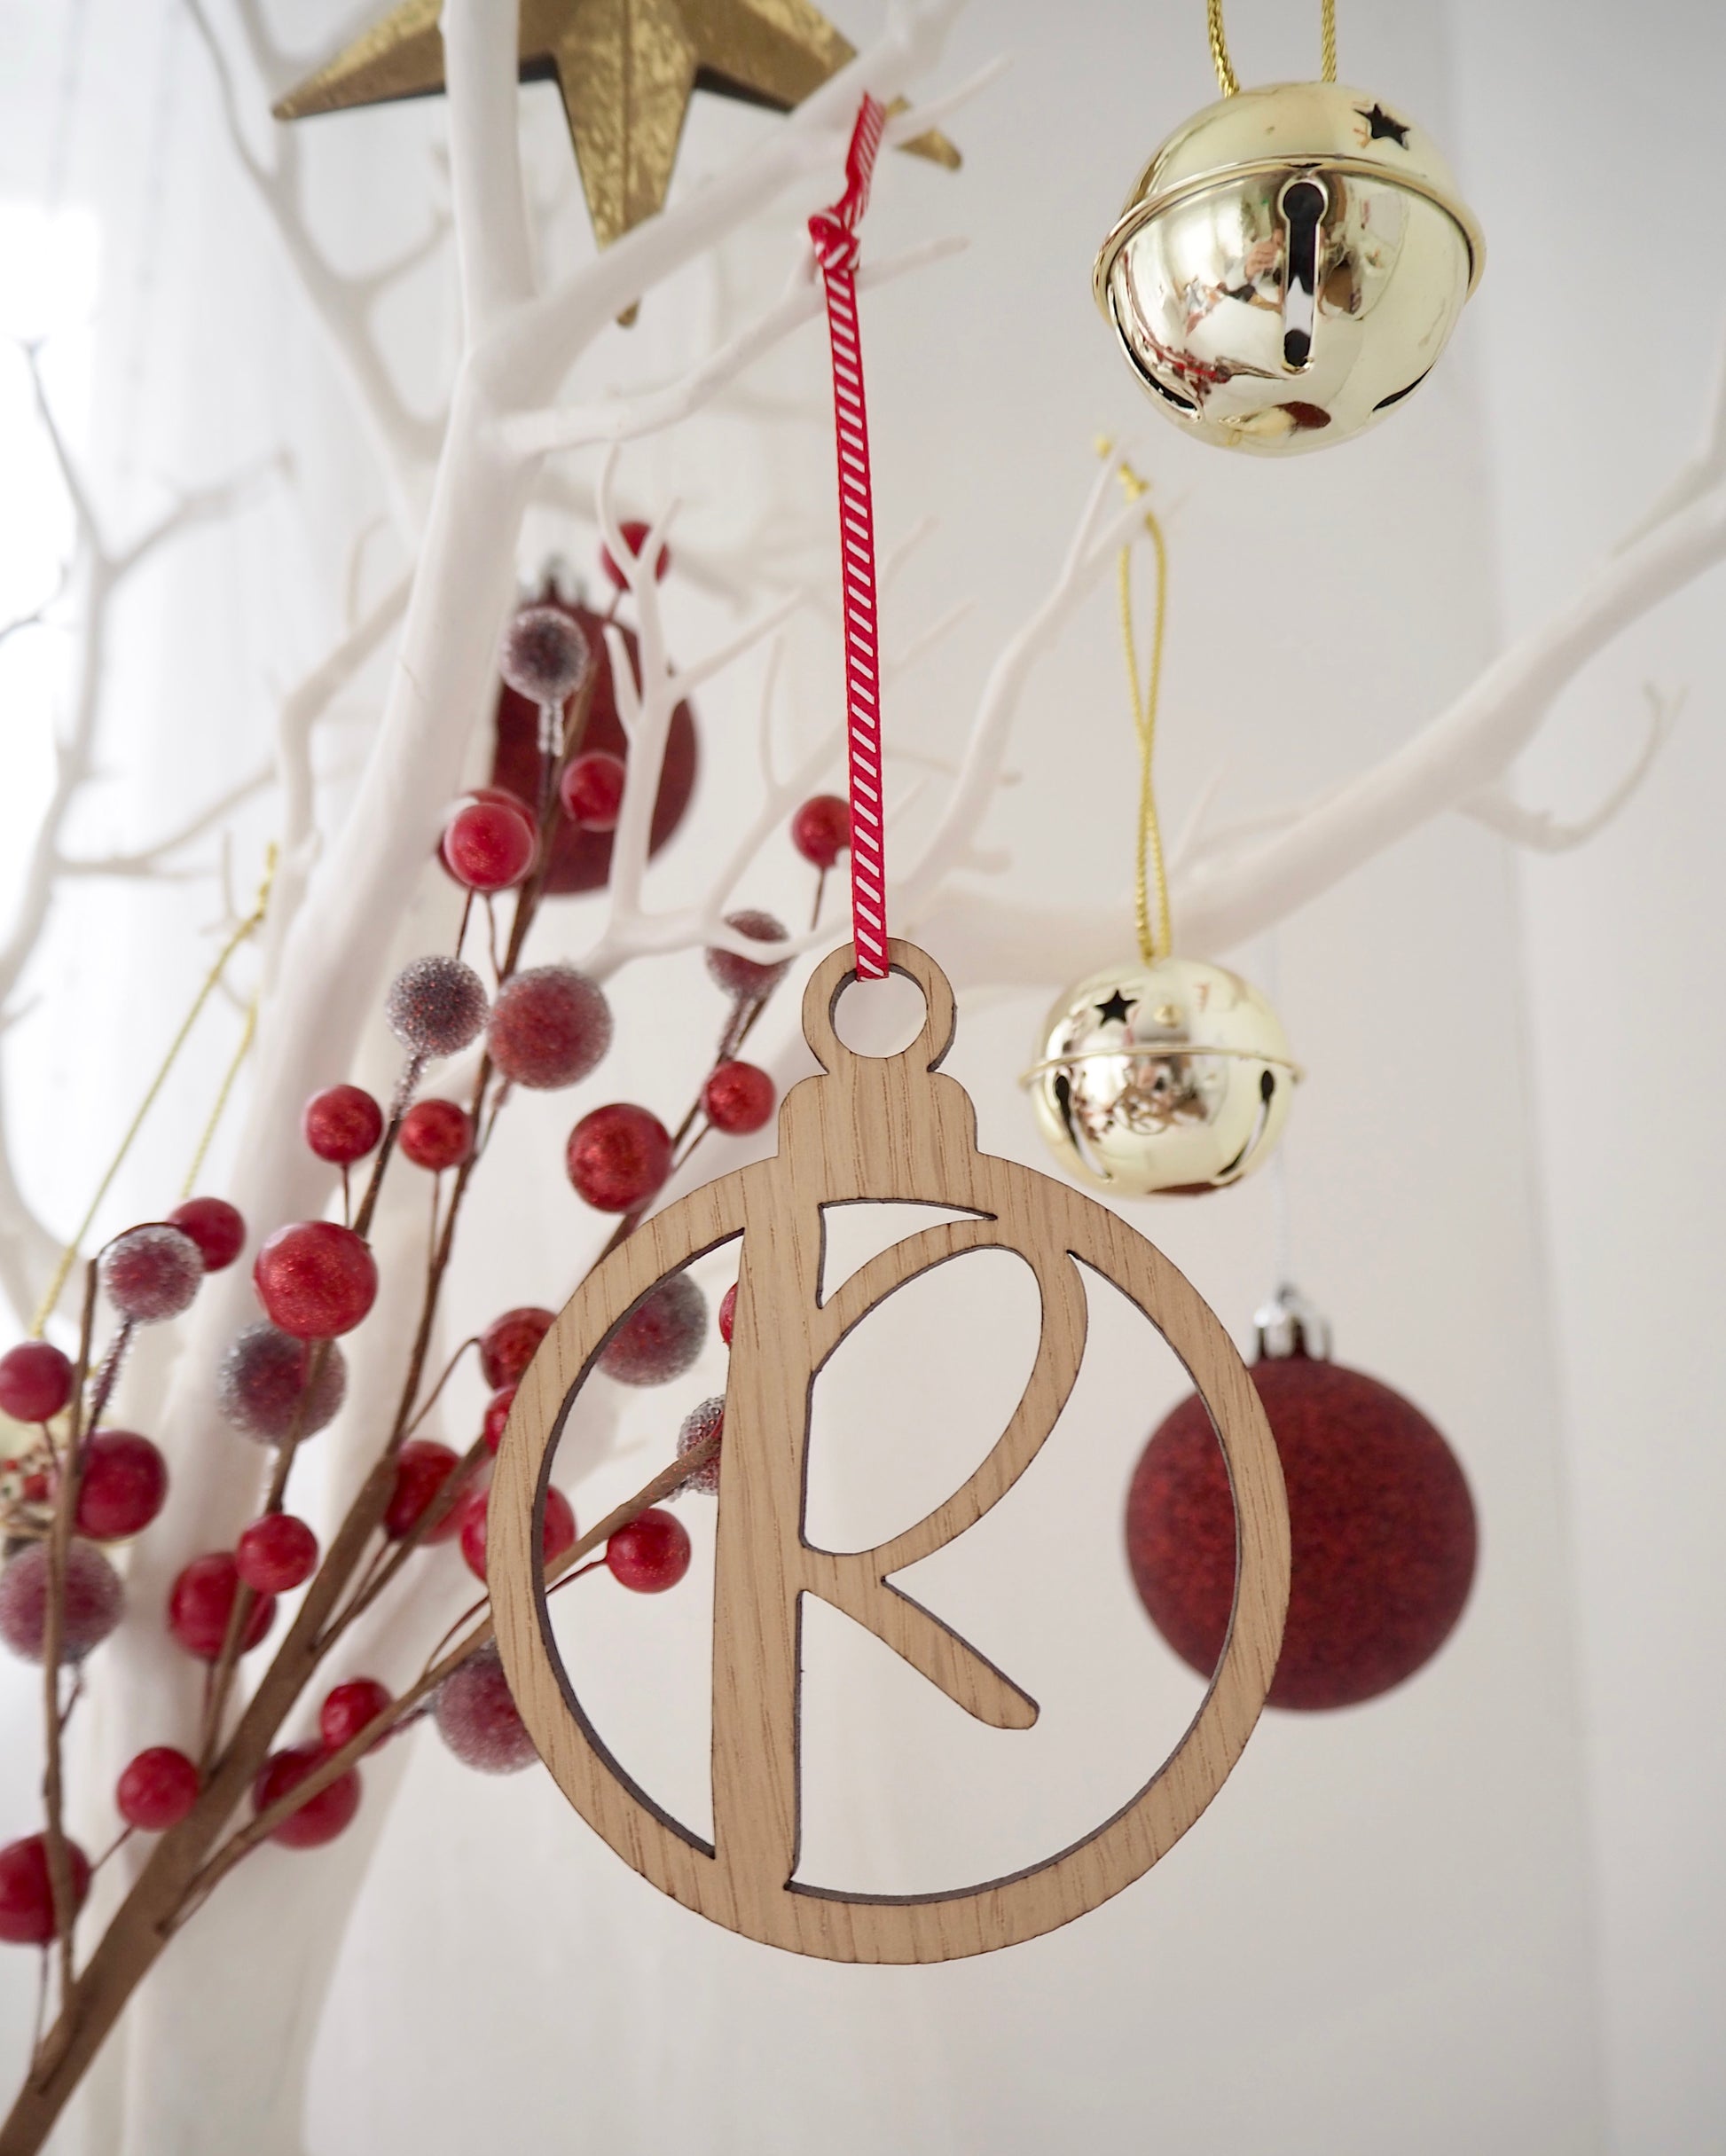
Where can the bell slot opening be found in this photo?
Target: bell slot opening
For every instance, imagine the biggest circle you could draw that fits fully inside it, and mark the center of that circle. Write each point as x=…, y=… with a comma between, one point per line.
x=1303, y=206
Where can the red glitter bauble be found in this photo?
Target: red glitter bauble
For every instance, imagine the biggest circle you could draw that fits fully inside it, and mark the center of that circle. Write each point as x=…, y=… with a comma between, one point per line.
x=509, y=1342
x=152, y=1272
x=707, y=1420
x=320, y=1818
x=727, y=1313
x=95, y=1602
x=820, y=830
x=559, y=1529
x=201, y=1601
x=26, y=1890
x=479, y=1720
x=436, y=1135
x=581, y=860
x=341, y=1123
x=216, y=1226
x=592, y=790
x=497, y=1414
x=488, y=846
x=634, y=533
x=122, y=1488
x=651, y=1553
x=277, y=1553
x=315, y=1279
x=422, y=1468
x=157, y=1790
x=350, y=1708
x=746, y=979
x=618, y=1157
x=36, y=1381
x=661, y=1338
x=738, y=1098
x=549, y=1027
x=1380, y=1517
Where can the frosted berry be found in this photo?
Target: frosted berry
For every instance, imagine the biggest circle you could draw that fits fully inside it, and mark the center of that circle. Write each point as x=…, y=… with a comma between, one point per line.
x=549, y=1027
x=341, y=1125
x=350, y=1708
x=707, y=1420
x=263, y=1381
x=820, y=830
x=746, y=979
x=122, y=1486
x=738, y=1098
x=661, y=1338
x=320, y=1818
x=497, y=1414
x=651, y=1554
x=316, y=1279
x=509, y=1342
x=479, y=1720
x=26, y=1890
x=201, y=1601
x=436, y=1134
x=152, y=1272
x=216, y=1226
x=95, y=1601
x=422, y=1468
x=277, y=1553
x=618, y=1157
x=36, y=1381
x=157, y=1790
x=727, y=1313
x=435, y=1006
x=544, y=654
x=592, y=790
x=559, y=1531
x=488, y=846
x=634, y=536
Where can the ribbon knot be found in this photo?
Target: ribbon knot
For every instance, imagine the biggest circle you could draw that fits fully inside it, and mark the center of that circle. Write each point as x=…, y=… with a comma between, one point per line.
x=836, y=245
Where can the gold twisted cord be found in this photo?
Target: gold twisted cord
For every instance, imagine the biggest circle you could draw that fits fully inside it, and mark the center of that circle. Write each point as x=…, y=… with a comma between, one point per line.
x=247, y=928
x=246, y=1034
x=1224, y=65
x=1149, y=868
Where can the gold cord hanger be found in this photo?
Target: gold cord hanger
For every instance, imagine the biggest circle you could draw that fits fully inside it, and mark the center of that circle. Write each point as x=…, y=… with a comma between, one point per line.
x=1220, y=61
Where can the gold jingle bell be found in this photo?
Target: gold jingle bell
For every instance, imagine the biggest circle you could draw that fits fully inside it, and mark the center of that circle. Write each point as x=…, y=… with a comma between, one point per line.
x=1288, y=268
x=1172, y=1077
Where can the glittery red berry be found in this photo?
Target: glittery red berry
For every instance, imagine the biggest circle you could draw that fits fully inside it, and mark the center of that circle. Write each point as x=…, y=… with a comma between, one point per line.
x=634, y=533
x=277, y=1553
x=349, y=1709
x=123, y=1485
x=157, y=1790
x=727, y=1313
x=201, y=1601
x=592, y=790
x=509, y=1342
x=661, y=1338
x=265, y=1383
x=549, y=1027
x=216, y=1226
x=436, y=1134
x=618, y=1157
x=26, y=1890
x=820, y=830
x=746, y=979
x=435, y=1006
x=152, y=1272
x=544, y=654
x=488, y=846
x=422, y=1468
x=497, y=1414
x=316, y=1279
x=559, y=1534
x=36, y=1381
x=93, y=1606
x=707, y=1420
x=651, y=1554
x=341, y=1125
x=320, y=1818
x=738, y=1098
x=479, y=1720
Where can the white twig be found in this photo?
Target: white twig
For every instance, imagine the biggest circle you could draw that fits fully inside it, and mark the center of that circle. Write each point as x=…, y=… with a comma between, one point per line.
x=1543, y=832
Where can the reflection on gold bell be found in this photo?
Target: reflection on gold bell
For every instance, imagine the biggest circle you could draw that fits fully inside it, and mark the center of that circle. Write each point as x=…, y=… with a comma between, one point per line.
x=1172, y=1077
x=1289, y=266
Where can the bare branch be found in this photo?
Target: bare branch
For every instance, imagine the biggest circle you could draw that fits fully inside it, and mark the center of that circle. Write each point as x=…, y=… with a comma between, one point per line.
x=1540, y=831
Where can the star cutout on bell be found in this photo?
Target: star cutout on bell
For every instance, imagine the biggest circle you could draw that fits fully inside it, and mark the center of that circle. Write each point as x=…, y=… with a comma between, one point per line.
x=626, y=70
x=1116, y=1007
x=1383, y=129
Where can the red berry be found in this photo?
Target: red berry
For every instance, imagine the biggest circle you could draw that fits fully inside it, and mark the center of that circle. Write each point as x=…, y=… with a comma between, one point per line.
x=549, y=1027
x=435, y=1006
x=95, y=1601
x=26, y=1890
x=350, y=1708
x=635, y=537
x=544, y=654
x=651, y=1554
x=436, y=1134
x=559, y=1529
x=36, y=1381
x=316, y=1279
x=201, y=1601
x=152, y=1272
x=157, y=1790
x=320, y=1818
x=618, y=1157
x=727, y=1313
x=746, y=979
x=422, y=1468
x=479, y=1720
x=277, y=1553
x=264, y=1384
x=661, y=1338
x=820, y=830
x=122, y=1487
x=509, y=1342
x=738, y=1098
x=497, y=1414
x=592, y=790
x=488, y=846
x=707, y=1420
x=341, y=1125
x=216, y=1226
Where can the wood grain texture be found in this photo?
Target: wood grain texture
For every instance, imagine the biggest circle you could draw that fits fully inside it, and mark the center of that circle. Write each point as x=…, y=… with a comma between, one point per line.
x=883, y=1130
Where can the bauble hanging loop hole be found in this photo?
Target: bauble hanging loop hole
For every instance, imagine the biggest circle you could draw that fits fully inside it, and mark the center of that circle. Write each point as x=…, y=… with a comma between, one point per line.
x=835, y=974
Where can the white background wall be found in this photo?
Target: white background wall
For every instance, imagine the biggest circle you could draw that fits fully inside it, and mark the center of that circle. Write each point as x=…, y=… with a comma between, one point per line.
x=1419, y=1927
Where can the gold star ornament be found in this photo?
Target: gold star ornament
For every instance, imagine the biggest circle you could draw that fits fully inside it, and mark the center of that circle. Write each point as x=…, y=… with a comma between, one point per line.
x=626, y=70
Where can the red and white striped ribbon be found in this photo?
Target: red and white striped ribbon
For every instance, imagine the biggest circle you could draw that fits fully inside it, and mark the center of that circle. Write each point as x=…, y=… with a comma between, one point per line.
x=834, y=235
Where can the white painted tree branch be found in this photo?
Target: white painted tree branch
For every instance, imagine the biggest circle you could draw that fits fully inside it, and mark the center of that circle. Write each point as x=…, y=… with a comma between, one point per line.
x=1540, y=830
